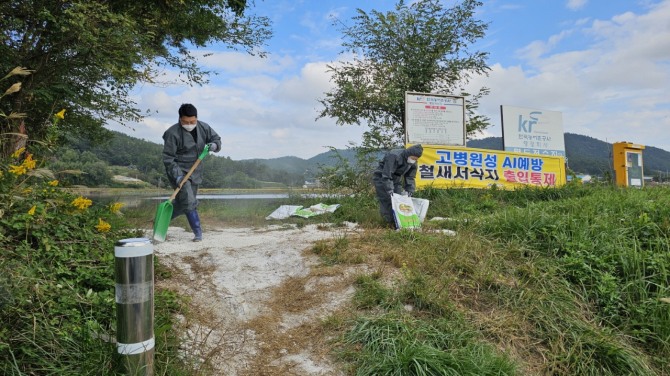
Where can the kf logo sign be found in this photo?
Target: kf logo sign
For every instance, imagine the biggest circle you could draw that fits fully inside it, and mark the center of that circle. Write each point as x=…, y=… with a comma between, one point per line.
x=526, y=125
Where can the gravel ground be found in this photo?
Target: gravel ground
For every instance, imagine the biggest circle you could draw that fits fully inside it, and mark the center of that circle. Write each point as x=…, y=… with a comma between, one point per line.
x=257, y=297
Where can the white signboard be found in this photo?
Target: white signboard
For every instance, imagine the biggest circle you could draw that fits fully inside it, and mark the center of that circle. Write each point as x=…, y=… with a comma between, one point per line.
x=434, y=119
x=529, y=130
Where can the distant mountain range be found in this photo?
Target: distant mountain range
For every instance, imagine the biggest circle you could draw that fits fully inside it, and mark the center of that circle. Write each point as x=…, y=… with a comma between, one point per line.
x=592, y=156
x=584, y=154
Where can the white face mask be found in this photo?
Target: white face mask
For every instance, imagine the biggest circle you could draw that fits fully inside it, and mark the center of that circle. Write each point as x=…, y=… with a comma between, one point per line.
x=411, y=161
x=189, y=127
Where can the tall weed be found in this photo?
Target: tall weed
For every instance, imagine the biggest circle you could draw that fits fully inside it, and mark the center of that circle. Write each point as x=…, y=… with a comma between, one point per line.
x=567, y=281
x=400, y=345
x=611, y=245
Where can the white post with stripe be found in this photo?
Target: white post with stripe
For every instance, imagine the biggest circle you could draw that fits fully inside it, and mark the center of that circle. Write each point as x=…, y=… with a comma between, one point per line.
x=134, y=273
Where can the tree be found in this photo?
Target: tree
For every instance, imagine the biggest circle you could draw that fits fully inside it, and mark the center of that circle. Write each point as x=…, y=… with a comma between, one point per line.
x=74, y=168
x=239, y=180
x=421, y=47
x=88, y=54
x=347, y=175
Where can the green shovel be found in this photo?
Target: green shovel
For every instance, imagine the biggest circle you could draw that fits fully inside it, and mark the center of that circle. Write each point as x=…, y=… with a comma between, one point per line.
x=164, y=210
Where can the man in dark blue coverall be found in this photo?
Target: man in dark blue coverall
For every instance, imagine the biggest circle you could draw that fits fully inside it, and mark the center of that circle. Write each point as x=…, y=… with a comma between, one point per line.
x=397, y=167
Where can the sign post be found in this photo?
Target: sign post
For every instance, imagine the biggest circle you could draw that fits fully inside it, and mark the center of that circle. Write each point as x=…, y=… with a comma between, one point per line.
x=532, y=131
x=434, y=119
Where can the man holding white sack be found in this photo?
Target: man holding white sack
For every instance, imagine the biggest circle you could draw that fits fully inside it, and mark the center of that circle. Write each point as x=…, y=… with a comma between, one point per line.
x=396, y=170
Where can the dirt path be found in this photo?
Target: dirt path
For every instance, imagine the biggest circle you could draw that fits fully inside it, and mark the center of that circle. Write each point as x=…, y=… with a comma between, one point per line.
x=258, y=297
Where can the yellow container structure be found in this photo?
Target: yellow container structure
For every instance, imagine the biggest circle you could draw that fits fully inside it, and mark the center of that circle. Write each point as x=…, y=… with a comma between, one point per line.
x=628, y=167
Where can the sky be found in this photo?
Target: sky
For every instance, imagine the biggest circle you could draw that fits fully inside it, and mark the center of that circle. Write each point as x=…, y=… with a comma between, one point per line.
x=604, y=64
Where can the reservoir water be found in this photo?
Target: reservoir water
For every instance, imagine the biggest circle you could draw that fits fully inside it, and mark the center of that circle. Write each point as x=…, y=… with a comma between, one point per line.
x=137, y=200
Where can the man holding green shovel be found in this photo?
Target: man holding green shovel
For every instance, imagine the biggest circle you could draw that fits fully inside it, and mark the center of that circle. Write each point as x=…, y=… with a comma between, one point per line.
x=183, y=142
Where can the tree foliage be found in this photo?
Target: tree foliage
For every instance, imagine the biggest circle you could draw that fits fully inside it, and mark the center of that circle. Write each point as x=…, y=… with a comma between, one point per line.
x=73, y=168
x=88, y=54
x=420, y=47
x=350, y=176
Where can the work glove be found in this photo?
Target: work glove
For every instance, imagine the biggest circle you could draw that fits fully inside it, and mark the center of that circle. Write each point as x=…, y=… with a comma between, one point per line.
x=390, y=193
x=213, y=147
x=179, y=179
x=410, y=194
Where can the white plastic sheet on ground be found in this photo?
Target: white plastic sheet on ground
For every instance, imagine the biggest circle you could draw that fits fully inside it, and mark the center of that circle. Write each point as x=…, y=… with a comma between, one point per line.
x=283, y=212
x=286, y=211
x=316, y=210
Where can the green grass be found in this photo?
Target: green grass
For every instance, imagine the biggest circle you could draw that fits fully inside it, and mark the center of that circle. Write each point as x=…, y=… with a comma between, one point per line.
x=540, y=281
x=400, y=345
x=569, y=281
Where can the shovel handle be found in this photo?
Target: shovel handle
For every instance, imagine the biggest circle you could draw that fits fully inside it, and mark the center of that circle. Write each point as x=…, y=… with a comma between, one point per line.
x=188, y=174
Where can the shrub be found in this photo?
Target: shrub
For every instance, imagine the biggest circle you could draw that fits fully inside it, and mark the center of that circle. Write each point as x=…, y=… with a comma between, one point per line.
x=57, y=274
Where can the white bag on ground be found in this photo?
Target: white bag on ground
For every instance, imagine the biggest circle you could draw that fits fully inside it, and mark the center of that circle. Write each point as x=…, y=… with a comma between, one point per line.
x=403, y=212
x=420, y=207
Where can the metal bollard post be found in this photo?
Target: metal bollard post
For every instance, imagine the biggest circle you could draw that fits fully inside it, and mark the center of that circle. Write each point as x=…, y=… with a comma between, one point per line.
x=134, y=271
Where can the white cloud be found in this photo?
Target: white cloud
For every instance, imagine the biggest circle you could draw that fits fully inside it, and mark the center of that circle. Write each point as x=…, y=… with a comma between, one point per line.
x=305, y=88
x=538, y=50
x=614, y=89
x=238, y=62
x=576, y=4
x=257, y=116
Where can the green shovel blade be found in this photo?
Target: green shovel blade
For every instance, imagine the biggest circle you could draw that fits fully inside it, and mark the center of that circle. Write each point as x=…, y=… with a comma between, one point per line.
x=162, y=220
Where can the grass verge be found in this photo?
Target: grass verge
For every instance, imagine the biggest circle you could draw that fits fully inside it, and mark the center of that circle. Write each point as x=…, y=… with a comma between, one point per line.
x=568, y=281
